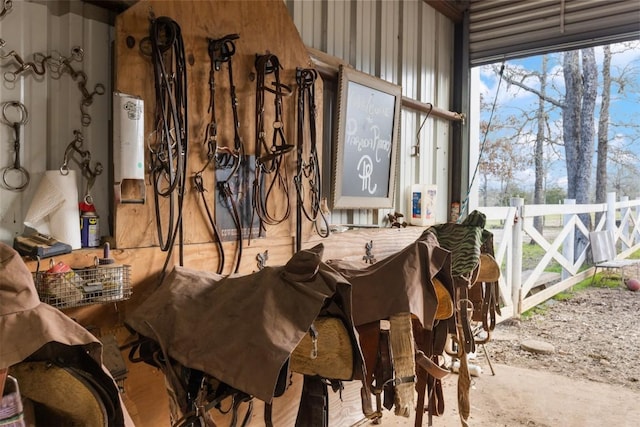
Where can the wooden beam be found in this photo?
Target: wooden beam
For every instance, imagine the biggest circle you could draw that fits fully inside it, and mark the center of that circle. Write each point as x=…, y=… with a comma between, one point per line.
x=329, y=65
x=452, y=9
x=113, y=5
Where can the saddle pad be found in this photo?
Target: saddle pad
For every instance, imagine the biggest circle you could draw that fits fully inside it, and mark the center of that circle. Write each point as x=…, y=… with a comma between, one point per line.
x=60, y=394
x=332, y=354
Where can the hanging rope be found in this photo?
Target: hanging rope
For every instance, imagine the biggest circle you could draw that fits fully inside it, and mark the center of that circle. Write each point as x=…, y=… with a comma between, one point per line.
x=465, y=203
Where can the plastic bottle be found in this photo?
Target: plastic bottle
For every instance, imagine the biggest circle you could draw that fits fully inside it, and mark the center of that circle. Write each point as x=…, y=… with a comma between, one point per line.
x=422, y=200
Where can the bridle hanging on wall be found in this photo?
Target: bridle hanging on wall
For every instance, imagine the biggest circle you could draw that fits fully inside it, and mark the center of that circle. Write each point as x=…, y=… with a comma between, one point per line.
x=169, y=153
x=308, y=170
x=269, y=159
x=224, y=158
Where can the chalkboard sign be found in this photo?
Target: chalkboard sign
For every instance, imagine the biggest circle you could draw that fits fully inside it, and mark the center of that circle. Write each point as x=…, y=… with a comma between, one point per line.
x=366, y=137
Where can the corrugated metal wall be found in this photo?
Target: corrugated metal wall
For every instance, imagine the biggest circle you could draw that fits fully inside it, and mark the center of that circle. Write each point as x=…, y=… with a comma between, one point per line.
x=499, y=29
x=53, y=28
x=404, y=42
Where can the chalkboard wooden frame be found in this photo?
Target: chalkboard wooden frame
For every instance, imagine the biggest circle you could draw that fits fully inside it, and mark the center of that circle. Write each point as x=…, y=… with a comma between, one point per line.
x=365, y=151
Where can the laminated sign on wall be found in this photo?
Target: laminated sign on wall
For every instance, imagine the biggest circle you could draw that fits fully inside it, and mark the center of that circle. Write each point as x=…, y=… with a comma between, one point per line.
x=128, y=148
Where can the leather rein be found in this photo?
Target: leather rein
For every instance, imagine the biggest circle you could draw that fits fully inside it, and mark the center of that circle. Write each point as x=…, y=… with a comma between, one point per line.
x=308, y=170
x=169, y=153
x=270, y=168
x=223, y=157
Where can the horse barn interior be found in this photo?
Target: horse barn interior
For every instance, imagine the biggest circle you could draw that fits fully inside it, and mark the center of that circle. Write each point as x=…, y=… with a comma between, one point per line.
x=176, y=152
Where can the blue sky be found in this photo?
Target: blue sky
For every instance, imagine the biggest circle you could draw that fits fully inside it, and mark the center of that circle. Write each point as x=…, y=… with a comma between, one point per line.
x=624, y=107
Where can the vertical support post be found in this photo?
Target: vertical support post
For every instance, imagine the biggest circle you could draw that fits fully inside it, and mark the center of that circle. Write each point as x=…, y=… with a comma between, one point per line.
x=610, y=225
x=635, y=235
x=516, y=278
x=569, y=242
x=624, y=225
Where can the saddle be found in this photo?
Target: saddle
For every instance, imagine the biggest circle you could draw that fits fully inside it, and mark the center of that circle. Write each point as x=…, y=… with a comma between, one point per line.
x=475, y=275
x=66, y=387
x=404, y=298
x=264, y=313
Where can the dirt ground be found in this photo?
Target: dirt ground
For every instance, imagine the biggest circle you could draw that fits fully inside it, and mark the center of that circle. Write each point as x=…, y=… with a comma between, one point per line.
x=591, y=379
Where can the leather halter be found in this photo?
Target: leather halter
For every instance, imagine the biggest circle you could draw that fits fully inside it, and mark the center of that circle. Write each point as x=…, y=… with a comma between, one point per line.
x=309, y=170
x=224, y=158
x=168, y=156
x=269, y=159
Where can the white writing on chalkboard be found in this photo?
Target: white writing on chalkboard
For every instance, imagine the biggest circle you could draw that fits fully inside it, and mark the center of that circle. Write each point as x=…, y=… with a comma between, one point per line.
x=367, y=141
x=369, y=106
x=372, y=141
x=365, y=169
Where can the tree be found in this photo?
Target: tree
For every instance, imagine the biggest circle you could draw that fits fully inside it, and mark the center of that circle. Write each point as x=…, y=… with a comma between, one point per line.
x=501, y=157
x=578, y=108
x=573, y=97
x=603, y=131
x=538, y=158
x=578, y=128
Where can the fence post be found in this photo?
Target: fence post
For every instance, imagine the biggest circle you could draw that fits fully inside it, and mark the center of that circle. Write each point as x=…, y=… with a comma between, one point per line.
x=611, y=213
x=516, y=242
x=569, y=241
x=624, y=224
x=636, y=234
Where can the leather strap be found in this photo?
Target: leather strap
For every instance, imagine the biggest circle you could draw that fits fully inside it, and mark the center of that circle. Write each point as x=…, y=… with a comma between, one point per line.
x=226, y=159
x=463, y=305
x=271, y=172
x=199, y=185
x=431, y=366
x=314, y=403
x=169, y=152
x=384, y=371
x=308, y=171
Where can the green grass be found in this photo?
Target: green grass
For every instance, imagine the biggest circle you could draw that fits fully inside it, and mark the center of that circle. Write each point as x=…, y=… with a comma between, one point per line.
x=531, y=256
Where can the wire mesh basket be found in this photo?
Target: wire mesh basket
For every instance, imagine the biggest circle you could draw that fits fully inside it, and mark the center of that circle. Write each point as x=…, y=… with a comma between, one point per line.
x=78, y=287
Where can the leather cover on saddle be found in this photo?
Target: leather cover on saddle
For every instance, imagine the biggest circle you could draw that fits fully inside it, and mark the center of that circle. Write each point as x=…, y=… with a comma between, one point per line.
x=400, y=283
x=242, y=329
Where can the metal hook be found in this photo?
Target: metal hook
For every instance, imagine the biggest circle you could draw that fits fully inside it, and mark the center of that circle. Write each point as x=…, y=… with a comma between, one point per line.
x=369, y=257
x=262, y=258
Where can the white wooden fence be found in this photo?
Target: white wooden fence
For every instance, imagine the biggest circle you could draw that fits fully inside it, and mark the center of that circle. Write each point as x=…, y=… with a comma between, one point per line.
x=621, y=217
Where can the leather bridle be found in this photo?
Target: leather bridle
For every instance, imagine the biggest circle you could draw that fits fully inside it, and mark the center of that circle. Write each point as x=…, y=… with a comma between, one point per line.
x=308, y=170
x=169, y=153
x=270, y=169
x=224, y=158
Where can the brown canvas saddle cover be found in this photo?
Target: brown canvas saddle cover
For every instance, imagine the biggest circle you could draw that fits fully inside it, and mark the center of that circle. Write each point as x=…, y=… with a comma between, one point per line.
x=242, y=329
x=400, y=283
